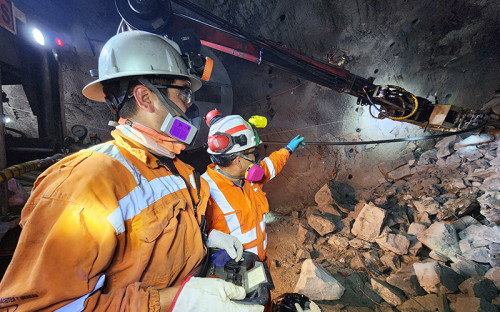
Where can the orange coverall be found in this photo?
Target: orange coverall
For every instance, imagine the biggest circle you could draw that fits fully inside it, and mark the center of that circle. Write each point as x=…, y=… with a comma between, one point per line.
x=240, y=211
x=103, y=230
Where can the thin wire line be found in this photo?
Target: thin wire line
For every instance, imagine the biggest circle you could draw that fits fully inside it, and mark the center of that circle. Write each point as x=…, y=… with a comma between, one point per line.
x=276, y=94
x=308, y=127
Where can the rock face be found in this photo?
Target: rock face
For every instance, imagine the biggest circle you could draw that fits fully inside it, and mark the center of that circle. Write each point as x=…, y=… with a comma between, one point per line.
x=468, y=304
x=396, y=243
x=437, y=278
x=442, y=238
x=431, y=302
x=406, y=280
x=490, y=206
x=369, y=222
x=321, y=224
x=317, y=284
x=479, y=287
x=390, y=294
x=324, y=196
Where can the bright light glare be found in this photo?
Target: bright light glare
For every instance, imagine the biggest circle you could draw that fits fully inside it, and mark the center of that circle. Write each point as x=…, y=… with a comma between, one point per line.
x=37, y=34
x=59, y=42
x=6, y=119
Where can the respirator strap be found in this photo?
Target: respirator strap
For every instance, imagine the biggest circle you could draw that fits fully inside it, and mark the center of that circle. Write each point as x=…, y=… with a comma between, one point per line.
x=171, y=107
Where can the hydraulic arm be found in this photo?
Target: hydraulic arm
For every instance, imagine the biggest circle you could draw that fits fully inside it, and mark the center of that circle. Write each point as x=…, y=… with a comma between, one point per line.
x=384, y=101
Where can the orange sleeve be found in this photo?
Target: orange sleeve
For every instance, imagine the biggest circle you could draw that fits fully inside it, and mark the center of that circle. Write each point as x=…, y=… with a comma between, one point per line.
x=273, y=164
x=215, y=217
x=63, y=252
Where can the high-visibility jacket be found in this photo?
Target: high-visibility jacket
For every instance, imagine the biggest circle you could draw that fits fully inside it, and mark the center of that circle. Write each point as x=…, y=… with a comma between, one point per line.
x=241, y=211
x=103, y=230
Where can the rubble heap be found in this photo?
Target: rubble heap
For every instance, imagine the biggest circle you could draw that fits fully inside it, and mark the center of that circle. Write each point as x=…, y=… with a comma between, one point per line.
x=426, y=239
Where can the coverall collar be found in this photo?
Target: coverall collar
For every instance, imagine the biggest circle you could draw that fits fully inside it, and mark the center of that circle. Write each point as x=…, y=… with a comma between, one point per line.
x=222, y=181
x=135, y=149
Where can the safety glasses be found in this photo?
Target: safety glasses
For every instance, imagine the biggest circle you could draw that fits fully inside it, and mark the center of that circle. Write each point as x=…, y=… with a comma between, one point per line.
x=255, y=153
x=185, y=92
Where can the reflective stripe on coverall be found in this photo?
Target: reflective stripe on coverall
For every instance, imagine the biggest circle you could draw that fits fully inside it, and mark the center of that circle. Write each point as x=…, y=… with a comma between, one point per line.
x=240, y=211
x=103, y=230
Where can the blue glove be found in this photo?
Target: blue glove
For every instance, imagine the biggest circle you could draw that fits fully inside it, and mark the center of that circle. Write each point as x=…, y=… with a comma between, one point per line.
x=295, y=143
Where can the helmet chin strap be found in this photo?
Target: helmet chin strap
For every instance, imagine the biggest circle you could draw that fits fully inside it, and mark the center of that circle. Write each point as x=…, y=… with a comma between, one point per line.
x=219, y=170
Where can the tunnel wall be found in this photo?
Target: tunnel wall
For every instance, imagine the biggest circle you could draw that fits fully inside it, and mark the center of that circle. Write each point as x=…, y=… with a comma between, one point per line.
x=444, y=49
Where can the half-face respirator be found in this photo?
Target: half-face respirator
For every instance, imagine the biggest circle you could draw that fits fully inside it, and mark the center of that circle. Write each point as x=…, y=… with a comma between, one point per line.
x=181, y=127
x=254, y=172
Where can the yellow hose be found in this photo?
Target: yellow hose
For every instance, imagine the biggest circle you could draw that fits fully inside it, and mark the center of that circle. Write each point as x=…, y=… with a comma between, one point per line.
x=414, y=99
x=17, y=170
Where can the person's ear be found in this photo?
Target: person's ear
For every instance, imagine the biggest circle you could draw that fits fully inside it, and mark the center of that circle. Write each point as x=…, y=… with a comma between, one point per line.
x=237, y=161
x=144, y=98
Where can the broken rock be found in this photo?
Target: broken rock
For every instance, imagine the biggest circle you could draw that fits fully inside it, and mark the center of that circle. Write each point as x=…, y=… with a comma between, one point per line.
x=416, y=228
x=389, y=293
x=437, y=278
x=490, y=206
x=478, y=255
x=429, y=302
x=321, y=224
x=317, y=284
x=338, y=241
x=369, y=222
x=468, y=268
x=468, y=304
x=464, y=222
x=479, y=287
x=428, y=204
x=406, y=280
x=441, y=238
x=396, y=243
x=494, y=275
x=324, y=196
x=458, y=207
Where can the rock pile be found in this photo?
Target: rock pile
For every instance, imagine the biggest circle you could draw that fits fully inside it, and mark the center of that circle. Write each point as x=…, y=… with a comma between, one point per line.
x=428, y=236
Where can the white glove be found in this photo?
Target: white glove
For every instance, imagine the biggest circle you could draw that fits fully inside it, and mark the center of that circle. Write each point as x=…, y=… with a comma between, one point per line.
x=225, y=241
x=313, y=307
x=212, y=294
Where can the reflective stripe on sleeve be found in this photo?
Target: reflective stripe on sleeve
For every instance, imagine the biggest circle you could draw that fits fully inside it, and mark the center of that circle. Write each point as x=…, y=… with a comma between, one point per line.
x=244, y=238
x=114, y=152
x=270, y=166
x=231, y=218
x=141, y=197
x=253, y=250
x=265, y=242
x=263, y=225
x=79, y=304
x=217, y=195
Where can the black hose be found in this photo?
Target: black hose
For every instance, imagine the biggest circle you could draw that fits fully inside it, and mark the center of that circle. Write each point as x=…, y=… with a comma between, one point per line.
x=441, y=135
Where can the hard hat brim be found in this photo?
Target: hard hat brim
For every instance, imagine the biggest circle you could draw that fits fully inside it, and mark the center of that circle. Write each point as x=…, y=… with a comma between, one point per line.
x=94, y=90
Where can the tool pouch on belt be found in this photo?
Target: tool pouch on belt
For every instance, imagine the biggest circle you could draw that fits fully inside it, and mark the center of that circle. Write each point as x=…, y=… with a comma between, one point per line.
x=250, y=273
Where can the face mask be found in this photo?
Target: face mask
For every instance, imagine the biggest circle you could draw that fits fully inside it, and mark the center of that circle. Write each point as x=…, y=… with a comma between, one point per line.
x=174, y=125
x=254, y=173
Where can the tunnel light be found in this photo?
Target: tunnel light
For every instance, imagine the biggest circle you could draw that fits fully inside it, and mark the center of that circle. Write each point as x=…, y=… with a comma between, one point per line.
x=59, y=42
x=6, y=119
x=38, y=36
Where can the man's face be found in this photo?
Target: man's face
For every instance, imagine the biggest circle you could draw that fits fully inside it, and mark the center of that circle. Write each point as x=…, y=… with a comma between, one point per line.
x=179, y=93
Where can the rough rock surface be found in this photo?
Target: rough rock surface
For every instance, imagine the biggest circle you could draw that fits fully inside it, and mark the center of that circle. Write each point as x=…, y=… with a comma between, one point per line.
x=369, y=222
x=318, y=284
x=437, y=278
x=441, y=238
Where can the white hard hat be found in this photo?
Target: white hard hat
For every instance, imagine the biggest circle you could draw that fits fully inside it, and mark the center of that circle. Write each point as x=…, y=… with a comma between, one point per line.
x=138, y=53
x=230, y=134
